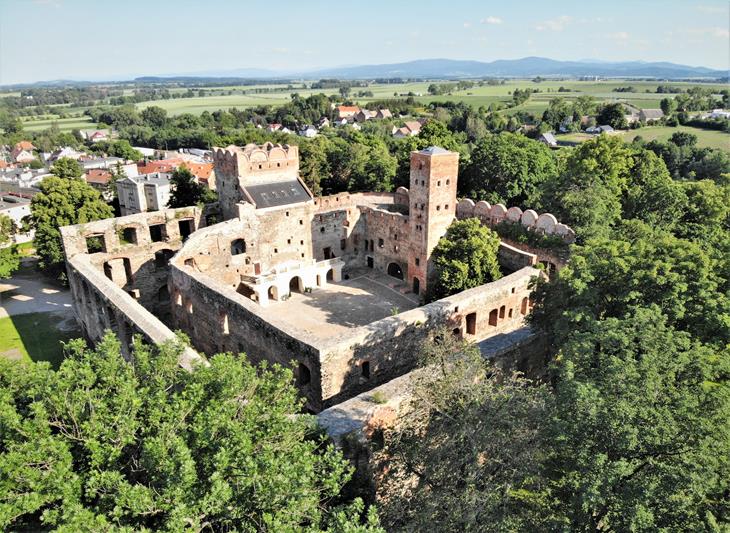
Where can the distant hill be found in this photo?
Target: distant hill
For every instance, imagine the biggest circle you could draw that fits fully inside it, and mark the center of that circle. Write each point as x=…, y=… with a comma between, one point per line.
x=525, y=67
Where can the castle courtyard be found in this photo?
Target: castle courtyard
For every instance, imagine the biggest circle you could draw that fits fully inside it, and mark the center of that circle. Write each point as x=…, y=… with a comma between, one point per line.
x=367, y=296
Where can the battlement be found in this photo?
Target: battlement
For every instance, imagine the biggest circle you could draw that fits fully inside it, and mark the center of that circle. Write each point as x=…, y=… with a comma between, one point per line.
x=491, y=215
x=252, y=158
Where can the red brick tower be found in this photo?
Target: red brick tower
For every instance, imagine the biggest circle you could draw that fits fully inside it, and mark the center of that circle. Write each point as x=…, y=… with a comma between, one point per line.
x=432, y=198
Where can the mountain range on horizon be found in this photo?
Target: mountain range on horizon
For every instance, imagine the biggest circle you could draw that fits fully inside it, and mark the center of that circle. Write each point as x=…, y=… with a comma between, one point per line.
x=450, y=69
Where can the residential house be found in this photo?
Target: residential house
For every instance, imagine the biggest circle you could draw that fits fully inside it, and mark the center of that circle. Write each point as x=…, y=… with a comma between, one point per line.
x=96, y=136
x=148, y=192
x=409, y=129
x=549, y=139
x=647, y=115
x=23, y=152
x=308, y=131
x=99, y=179
x=66, y=151
x=719, y=113
x=203, y=172
x=605, y=128
x=381, y=114
x=146, y=152
x=16, y=208
x=347, y=111
x=324, y=122
x=363, y=115
x=271, y=128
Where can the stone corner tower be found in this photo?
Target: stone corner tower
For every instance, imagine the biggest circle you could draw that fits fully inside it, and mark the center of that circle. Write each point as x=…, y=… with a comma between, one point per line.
x=432, y=208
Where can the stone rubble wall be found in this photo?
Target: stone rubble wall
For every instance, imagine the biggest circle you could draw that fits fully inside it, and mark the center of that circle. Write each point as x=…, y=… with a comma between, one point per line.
x=391, y=345
x=100, y=305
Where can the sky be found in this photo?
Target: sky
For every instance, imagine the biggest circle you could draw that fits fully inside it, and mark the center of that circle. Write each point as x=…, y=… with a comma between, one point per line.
x=120, y=39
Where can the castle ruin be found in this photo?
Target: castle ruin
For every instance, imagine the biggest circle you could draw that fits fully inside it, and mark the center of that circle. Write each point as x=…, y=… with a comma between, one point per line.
x=331, y=286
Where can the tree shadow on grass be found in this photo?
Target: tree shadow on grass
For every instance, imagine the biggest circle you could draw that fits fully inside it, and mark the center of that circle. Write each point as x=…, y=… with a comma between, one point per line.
x=39, y=335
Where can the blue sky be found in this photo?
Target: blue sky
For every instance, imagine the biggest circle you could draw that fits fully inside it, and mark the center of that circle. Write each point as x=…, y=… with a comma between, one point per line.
x=112, y=39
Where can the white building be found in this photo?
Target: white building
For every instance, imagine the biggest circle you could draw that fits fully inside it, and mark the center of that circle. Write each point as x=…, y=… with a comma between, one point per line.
x=148, y=192
x=16, y=208
x=719, y=113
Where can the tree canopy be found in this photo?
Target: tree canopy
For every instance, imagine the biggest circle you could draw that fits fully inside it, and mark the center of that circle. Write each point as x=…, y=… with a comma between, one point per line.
x=66, y=167
x=465, y=257
x=507, y=168
x=107, y=444
x=467, y=452
x=185, y=191
x=62, y=202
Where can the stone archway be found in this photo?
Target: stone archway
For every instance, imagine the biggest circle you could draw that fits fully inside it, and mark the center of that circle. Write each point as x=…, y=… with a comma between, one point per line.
x=395, y=270
x=296, y=284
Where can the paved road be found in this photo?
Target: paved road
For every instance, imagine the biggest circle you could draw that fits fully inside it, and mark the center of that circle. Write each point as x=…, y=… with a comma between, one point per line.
x=29, y=292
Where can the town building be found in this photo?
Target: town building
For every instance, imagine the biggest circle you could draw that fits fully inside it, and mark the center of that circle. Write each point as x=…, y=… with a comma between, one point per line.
x=146, y=192
x=16, y=209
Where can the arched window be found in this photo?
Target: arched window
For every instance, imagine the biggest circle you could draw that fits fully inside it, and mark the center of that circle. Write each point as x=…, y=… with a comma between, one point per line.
x=238, y=247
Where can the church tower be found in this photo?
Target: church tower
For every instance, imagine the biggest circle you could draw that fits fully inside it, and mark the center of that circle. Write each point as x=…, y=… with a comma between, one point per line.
x=432, y=208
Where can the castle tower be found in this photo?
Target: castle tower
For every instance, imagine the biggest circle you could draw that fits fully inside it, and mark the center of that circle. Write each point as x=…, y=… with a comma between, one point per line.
x=432, y=197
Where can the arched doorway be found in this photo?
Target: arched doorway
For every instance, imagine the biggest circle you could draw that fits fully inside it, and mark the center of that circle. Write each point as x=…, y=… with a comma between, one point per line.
x=330, y=274
x=273, y=293
x=395, y=270
x=295, y=284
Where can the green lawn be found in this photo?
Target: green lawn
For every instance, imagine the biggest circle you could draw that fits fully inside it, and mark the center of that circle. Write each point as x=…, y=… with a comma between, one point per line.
x=35, y=337
x=705, y=138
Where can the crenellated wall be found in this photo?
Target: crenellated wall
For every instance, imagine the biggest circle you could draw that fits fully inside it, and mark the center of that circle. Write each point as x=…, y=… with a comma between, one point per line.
x=491, y=215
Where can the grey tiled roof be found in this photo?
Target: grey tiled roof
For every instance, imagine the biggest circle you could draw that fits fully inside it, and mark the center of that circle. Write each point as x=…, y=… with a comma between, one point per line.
x=278, y=193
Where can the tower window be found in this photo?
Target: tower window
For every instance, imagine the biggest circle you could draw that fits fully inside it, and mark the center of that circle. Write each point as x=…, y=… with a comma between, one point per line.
x=448, y=181
x=438, y=208
x=438, y=183
x=418, y=261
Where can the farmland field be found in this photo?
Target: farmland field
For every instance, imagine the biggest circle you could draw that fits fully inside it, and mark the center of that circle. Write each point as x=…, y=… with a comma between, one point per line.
x=64, y=124
x=705, y=138
x=644, y=96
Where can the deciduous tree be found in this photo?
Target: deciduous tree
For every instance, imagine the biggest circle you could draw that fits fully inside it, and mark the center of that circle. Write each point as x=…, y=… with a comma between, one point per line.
x=465, y=257
x=62, y=202
x=105, y=444
x=185, y=191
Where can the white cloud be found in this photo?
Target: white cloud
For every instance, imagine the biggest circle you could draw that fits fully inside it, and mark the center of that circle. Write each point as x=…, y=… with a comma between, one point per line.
x=698, y=33
x=492, y=20
x=467, y=24
x=556, y=24
x=619, y=36
x=713, y=10
x=280, y=50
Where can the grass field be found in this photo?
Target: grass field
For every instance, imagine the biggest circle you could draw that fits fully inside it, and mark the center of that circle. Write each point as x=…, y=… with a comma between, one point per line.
x=64, y=124
x=35, y=337
x=705, y=138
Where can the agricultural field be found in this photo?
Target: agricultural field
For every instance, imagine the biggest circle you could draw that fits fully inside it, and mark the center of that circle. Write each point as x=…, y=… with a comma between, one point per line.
x=643, y=97
x=705, y=138
x=64, y=124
